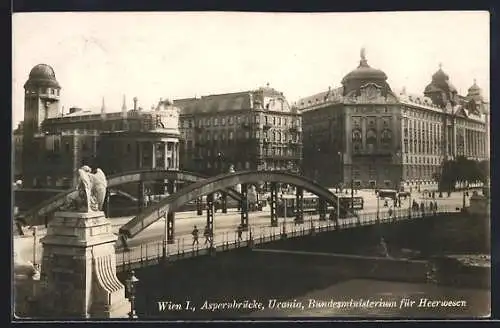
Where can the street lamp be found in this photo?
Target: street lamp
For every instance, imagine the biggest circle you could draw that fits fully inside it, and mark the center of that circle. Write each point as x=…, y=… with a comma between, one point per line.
x=34, y=244
x=341, y=171
x=284, y=202
x=130, y=285
x=165, y=237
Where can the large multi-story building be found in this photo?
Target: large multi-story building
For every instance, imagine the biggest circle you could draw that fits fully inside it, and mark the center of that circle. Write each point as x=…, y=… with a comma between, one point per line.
x=56, y=144
x=250, y=130
x=364, y=133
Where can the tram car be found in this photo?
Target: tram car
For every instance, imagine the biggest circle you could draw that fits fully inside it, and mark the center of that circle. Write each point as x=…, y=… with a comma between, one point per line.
x=311, y=205
x=287, y=207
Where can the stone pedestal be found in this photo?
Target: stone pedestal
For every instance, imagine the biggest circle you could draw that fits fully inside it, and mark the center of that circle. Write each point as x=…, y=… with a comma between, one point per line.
x=78, y=272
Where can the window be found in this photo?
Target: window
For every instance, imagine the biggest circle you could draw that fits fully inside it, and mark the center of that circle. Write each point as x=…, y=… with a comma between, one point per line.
x=238, y=120
x=66, y=147
x=216, y=121
x=257, y=118
x=386, y=138
x=231, y=135
x=371, y=137
x=247, y=135
x=223, y=121
x=230, y=120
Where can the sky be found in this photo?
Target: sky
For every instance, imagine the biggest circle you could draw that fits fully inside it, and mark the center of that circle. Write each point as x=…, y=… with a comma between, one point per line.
x=179, y=55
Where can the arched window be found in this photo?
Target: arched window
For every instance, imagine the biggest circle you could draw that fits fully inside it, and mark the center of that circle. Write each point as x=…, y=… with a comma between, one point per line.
x=357, y=139
x=356, y=136
x=371, y=137
x=386, y=138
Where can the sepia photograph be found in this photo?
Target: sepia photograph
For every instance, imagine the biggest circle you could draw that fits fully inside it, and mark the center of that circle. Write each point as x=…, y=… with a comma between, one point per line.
x=250, y=166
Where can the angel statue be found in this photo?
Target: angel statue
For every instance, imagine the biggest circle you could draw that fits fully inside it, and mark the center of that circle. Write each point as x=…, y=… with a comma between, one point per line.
x=98, y=191
x=90, y=191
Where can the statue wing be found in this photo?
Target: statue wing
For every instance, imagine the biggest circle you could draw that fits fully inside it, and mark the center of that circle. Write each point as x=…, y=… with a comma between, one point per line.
x=84, y=178
x=100, y=177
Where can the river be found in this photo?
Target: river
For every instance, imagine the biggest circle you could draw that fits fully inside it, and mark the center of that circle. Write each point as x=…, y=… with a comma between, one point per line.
x=372, y=298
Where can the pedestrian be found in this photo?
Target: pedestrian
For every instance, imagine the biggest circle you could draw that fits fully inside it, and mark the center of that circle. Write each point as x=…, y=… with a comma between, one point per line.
x=195, y=236
x=206, y=234
x=239, y=230
x=390, y=212
x=435, y=207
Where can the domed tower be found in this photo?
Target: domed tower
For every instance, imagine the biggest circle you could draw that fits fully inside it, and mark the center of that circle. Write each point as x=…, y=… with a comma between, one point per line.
x=41, y=101
x=41, y=97
x=365, y=74
x=475, y=92
x=440, y=90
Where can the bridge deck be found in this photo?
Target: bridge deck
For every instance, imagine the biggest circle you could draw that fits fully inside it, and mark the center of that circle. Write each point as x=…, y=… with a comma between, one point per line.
x=152, y=254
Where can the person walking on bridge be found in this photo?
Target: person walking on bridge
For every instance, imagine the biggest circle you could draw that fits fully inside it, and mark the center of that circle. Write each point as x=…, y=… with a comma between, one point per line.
x=195, y=236
x=239, y=230
x=206, y=234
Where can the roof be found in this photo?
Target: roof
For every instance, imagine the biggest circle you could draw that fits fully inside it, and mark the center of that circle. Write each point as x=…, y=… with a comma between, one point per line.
x=42, y=75
x=215, y=103
x=320, y=98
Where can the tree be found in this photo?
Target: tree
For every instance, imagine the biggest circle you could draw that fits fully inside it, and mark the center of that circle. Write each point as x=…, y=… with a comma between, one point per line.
x=464, y=170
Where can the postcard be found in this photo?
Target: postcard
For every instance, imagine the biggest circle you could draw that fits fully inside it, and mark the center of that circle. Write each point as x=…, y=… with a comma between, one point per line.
x=237, y=165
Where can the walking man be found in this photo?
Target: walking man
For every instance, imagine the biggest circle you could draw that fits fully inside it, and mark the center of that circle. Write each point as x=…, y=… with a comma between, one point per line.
x=206, y=234
x=240, y=232
x=195, y=236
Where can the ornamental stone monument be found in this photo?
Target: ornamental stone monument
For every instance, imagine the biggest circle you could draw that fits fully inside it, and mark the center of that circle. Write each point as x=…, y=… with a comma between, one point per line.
x=78, y=271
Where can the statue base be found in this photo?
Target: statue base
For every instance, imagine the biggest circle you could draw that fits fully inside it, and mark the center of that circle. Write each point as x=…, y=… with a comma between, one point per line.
x=78, y=272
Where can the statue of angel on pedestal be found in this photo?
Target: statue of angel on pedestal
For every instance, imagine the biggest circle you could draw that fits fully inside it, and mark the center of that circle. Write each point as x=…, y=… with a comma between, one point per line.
x=90, y=191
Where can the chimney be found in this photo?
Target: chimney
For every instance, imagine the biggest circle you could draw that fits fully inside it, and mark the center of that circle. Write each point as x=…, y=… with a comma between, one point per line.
x=135, y=103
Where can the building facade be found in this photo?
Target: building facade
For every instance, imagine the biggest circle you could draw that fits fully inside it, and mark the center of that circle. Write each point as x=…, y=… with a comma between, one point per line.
x=56, y=144
x=251, y=130
x=365, y=134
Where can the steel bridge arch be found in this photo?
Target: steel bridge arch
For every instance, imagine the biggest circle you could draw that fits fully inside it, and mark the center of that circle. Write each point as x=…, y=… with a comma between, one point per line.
x=211, y=185
x=32, y=217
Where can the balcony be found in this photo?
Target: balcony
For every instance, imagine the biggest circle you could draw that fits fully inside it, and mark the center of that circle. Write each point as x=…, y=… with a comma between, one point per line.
x=295, y=129
x=267, y=126
x=246, y=125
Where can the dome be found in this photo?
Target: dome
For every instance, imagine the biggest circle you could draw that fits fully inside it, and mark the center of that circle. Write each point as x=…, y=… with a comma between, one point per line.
x=440, y=82
x=474, y=89
x=365, y=72
x=440, y=75
x=475, y=92
x=42, y=75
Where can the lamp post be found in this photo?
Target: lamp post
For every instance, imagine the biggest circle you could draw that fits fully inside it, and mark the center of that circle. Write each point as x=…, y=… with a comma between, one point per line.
x=398, y=181
x=284, y=214
x=34, y=244
x=378, y=206
x=165, y=237
x=130, y=285
x=409, y=207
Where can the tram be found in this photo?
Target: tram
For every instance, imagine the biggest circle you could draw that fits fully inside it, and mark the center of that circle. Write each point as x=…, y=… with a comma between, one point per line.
x=286, y=205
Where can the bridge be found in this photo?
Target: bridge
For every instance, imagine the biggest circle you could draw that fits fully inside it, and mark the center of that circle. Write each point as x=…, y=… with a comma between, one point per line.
x=173, y=248
x=37, y=215
x=208, y=186
x=157, y=253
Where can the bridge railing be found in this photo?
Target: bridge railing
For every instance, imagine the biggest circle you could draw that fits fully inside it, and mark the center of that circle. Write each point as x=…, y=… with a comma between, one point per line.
x=184, y=247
